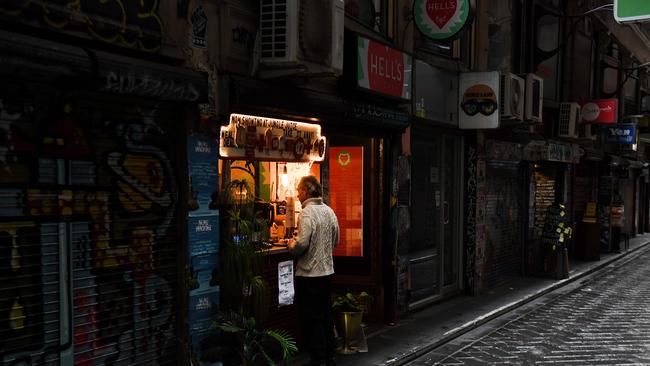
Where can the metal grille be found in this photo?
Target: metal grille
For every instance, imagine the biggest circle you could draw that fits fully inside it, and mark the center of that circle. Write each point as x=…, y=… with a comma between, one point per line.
x=88, y=237
x=273, y=28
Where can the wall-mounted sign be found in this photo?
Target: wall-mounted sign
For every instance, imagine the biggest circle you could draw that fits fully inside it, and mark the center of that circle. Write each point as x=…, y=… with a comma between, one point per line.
x=383, y=69
x=631, y=11
x=621, y=134
x=261, y=138
x=443, y=19
x=600, y=111
x=479, y=103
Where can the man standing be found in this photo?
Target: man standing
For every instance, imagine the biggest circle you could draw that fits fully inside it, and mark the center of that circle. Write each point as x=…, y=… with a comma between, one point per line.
x=318, y=234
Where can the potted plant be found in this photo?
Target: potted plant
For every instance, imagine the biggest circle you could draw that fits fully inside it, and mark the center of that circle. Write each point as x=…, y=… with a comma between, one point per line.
x=247, y=345
x=348, y=310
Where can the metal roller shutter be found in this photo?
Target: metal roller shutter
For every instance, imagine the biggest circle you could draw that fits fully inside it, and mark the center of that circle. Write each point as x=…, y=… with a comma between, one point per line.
x=88, y=191
x=503, y=222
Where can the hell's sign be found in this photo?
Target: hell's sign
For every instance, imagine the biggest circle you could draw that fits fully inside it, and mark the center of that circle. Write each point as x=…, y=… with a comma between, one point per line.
x=443, y=19
x=383, y=69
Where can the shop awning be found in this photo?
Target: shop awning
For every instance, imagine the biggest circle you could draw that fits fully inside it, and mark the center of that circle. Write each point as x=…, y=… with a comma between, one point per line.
x=28, y=58
x=274, y=99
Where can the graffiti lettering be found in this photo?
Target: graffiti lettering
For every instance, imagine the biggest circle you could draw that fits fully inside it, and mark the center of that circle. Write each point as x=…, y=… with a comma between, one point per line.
x=149, y=86
x=133, y=24
x=243, y=36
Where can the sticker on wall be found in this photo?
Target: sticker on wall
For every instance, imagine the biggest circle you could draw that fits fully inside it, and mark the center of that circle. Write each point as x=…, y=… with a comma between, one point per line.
x=443, y=20
x=199, y=22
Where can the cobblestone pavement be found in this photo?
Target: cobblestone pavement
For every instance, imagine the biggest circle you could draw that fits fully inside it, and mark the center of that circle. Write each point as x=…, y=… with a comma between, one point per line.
x=605, y=321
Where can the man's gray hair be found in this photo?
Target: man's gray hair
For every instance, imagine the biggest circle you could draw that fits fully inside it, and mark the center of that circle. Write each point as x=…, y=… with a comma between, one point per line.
x=312, y=185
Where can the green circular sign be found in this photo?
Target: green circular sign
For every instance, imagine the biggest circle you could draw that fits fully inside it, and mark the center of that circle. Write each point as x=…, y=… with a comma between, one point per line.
x=443, y=20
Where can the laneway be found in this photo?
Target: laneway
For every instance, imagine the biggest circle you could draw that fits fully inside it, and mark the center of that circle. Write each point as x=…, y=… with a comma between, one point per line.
x=605, y=321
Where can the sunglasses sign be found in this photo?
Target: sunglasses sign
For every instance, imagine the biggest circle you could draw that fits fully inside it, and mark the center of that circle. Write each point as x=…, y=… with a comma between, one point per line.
x=479, y=100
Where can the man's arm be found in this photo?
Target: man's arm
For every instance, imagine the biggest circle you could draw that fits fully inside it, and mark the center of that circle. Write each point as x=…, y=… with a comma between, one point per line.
x=301, y=243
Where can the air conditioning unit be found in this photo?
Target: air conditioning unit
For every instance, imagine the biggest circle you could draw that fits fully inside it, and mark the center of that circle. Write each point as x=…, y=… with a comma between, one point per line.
x=511, y=100
x=586, y=131
x=534, y=97
x=302, y=36
x=569, y=119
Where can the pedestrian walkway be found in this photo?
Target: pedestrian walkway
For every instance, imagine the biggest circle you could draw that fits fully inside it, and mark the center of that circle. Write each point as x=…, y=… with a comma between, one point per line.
x=425, y=330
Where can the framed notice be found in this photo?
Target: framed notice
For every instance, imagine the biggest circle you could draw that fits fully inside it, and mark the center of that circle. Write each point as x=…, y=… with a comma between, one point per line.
x=346, y=197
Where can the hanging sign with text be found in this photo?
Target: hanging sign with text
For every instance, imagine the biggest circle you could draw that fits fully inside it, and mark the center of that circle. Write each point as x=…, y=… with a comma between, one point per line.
x=383, y=69
x=600, y=111
x=621, y=134
x=261, y=138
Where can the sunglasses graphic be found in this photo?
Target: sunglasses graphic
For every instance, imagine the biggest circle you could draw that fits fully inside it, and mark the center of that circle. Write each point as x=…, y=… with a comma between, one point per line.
x=484, y=106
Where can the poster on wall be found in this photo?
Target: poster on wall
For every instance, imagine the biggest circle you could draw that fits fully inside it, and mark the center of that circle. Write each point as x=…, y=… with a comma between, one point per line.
x=203, y=160
x=346, y=197
x=203, y=309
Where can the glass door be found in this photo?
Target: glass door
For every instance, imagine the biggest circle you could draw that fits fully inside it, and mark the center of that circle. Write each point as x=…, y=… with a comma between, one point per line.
x=434, y=252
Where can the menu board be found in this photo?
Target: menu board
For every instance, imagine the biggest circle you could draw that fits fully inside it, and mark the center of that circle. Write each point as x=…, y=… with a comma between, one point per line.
x=346, y=197
x=557, y=227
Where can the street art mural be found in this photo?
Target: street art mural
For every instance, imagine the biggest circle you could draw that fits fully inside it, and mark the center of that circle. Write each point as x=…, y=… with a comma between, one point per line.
x=132, y=24
x=97, y=182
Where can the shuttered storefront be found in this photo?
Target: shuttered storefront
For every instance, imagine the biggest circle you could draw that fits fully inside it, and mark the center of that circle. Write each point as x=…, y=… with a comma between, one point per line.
x=502, y=222
x=89, y=238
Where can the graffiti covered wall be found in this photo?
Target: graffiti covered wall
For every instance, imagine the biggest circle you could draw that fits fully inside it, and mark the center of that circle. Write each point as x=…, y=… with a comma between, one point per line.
x=88, y=185
x=132, y=24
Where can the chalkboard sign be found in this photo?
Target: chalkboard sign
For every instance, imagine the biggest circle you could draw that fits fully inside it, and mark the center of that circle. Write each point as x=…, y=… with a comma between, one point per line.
x=557, y=228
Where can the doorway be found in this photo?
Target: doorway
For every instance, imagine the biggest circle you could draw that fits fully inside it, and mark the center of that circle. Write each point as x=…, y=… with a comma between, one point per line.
x=434, y=251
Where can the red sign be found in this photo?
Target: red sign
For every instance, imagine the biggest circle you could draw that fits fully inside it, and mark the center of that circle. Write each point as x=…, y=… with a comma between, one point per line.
x=346, y=197
x=441, y=11
x=600, y=111
x=384, y=69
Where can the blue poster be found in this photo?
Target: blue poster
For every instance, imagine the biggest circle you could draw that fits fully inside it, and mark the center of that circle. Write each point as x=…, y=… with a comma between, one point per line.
x=203, y=273
x=203, y=311
x=203, y=169
x=203, y=234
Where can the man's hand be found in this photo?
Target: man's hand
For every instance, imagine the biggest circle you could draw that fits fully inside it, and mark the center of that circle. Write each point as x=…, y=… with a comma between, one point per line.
x=291, y=244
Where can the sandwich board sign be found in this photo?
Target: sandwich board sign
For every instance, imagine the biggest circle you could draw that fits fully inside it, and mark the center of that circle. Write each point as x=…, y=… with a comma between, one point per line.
x=630, y=11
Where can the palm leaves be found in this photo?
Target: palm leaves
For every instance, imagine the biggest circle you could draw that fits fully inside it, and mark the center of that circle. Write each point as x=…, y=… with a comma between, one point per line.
x=255, y=346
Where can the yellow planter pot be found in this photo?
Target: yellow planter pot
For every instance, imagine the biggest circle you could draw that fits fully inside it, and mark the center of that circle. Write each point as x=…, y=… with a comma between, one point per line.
x=349, y=325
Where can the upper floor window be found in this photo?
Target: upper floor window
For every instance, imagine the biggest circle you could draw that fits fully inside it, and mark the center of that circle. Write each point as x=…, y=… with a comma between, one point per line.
x=370, y=13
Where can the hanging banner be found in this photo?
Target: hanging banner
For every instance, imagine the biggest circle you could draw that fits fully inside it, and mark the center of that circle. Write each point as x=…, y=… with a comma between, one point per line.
x=383, y=69
x=600, y=111
x=621, y=134
x=443, y=19
x=260, y=138
x=479, y=103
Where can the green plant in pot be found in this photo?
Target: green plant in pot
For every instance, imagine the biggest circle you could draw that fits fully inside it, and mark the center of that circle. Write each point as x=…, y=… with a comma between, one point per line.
x=348, y=311
x=243, y=291
x=254, y=346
